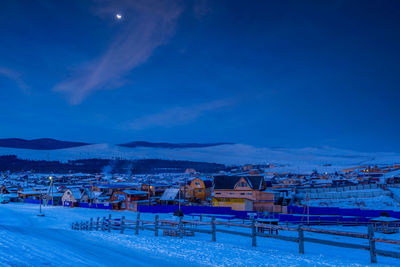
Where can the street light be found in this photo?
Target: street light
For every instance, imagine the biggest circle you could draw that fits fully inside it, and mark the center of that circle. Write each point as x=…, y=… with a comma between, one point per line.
x=50, y=191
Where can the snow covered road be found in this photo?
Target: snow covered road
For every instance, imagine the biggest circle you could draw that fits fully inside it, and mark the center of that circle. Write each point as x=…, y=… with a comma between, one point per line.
x=29, y=240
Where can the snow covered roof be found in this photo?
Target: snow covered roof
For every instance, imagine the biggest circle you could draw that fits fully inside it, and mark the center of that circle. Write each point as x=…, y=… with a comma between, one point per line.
x=385, y=219
x=170, y=194
x=229, y=182
x=134, y=192
x=32, y=192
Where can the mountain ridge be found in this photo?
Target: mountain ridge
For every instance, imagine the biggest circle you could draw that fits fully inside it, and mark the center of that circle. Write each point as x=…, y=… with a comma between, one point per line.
x=39, y=144
x=170, y=145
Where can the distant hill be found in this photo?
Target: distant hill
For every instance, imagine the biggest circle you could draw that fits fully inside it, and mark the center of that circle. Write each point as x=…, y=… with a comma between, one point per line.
x=171, y=145
x=39, y=144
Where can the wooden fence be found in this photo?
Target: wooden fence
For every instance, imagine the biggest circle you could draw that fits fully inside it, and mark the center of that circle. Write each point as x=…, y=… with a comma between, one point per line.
x=182, y=228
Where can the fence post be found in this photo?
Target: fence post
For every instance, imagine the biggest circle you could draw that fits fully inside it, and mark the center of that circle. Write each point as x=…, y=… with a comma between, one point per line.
x=156, y=226
x=102, y=224
x=180, y=227
x=122, y=224
x=97, y=224
x=371, y=239
x=137, y=223
x=253, y=233
x=213, y=229
x=301, y=240
x=109, y=223
x=91, y=224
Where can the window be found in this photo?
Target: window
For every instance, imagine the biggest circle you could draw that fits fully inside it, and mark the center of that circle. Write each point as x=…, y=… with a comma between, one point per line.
x=242, y=194
x=242, y=184
x=249, y=194
x=218, y=193
x=197, y=183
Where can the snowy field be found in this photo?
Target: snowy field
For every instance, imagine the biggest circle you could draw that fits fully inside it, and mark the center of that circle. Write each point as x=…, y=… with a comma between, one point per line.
x=373, y=203
x=29, y=240
x=323, y=159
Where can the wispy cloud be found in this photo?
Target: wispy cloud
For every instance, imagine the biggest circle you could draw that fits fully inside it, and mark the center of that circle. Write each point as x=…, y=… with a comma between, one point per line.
x=178, y=115
x=146, y=25
x=15, y=76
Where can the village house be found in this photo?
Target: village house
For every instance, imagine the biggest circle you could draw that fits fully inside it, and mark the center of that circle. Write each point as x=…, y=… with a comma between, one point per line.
x=244, y=193
x=108, y=189
x=128, y=199
x=72, y=197
x=3, y=190
x=198, y=190
x=172, y=196
x=24, y=194
x=156, y=190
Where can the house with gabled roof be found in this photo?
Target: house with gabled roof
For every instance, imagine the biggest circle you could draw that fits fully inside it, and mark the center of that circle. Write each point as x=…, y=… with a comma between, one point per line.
x=244, y=193
x=128, y=199
x=72, y=197
x=198, y=189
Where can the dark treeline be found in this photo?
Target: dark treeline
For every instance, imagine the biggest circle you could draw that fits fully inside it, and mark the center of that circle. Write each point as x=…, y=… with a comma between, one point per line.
x=14, y=164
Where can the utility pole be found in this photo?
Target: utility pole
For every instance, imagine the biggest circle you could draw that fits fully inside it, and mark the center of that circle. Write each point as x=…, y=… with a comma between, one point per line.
x=179, y=194
x=40, y=206
x=50, y=192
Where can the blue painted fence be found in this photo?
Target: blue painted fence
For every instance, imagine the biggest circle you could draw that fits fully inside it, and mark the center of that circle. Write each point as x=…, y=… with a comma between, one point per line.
x=194, y=210
x=101, y=206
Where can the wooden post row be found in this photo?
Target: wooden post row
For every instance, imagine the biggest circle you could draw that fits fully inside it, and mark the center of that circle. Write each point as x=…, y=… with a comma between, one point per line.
x=102, y=224
x=109, y=223
x=97, y=224
x=372, y=249
x=253, y=233
x=137, y=223
x=122, y=224
x=301, y=240
x=180, y=228
x=213, y=229
x=156, y=226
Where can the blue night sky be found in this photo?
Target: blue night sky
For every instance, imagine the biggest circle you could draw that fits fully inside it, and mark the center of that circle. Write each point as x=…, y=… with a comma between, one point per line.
x=266, y=73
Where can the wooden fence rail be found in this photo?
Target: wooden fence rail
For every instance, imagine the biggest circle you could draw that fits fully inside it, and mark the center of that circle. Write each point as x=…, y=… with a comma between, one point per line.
x=189, y=227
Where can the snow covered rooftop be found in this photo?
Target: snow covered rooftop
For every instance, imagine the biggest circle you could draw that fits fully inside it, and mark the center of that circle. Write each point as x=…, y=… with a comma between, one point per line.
x=170, y=194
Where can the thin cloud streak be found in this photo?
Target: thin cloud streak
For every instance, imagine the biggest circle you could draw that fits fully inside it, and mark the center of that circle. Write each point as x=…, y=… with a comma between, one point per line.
x=12, y=75
x=178, y=115
x=146, y=25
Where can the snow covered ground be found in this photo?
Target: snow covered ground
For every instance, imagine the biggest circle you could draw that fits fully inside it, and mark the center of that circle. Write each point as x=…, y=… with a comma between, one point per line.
x=292, y=160
x=379, y=202
x=29, y=240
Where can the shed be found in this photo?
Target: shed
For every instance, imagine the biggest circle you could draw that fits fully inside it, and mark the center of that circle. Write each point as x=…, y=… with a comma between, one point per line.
x=386, y=225
x=170, y=196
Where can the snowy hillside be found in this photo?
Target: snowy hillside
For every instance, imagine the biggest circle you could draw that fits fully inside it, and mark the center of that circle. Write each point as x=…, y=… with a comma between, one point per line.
x=305, y=159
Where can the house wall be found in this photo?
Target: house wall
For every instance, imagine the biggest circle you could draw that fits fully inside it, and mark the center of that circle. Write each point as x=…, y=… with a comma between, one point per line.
x=199, y=190
x=260, y=201
x=68, y=196
x=234, y=203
